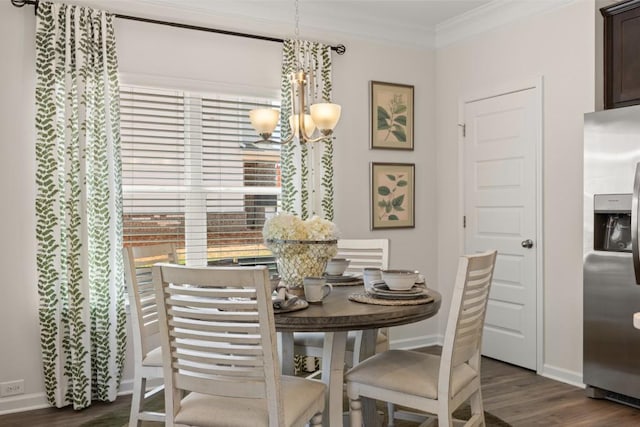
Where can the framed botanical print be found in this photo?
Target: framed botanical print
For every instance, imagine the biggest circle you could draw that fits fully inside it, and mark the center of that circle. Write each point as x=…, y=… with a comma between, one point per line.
x=392, y=195
x=391, y=116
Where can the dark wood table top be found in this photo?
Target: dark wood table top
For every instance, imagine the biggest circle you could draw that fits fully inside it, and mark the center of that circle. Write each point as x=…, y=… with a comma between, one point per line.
x=337, y=313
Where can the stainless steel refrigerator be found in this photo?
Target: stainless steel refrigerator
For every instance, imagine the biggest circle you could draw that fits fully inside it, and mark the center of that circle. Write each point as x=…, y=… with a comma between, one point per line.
x=611, y=348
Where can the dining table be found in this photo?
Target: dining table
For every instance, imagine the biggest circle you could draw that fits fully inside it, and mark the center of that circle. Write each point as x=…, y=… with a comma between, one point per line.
x=335, y=317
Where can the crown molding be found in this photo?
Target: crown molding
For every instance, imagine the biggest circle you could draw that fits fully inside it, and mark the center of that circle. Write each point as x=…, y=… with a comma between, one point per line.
x=332, y=26
x=490, y=16
x=317, y=23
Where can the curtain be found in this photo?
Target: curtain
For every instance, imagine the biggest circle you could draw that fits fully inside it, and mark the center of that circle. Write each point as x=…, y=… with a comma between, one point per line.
x=78, y=205
x=307, y=168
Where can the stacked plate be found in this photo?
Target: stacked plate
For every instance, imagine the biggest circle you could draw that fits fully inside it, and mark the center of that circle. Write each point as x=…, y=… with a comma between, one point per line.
x=343, y=279
x=379, y=289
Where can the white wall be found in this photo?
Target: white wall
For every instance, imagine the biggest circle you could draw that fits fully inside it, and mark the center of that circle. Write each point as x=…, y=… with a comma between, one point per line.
x=164, y=54
x=409, y=248
x=559, y=46
x=19, y=330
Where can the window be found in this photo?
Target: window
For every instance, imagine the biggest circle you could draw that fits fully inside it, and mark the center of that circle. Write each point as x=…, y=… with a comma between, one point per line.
x=193, y=176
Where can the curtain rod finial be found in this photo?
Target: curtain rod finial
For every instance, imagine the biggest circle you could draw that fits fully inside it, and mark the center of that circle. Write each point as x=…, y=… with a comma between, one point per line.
x=22, y=3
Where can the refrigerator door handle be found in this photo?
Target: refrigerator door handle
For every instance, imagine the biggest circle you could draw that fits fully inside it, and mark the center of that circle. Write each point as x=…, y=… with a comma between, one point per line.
x=634, y=224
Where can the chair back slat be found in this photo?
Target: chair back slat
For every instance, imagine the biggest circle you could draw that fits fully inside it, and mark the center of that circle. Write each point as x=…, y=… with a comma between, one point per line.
x=144, y=310
x=222, y=387
x=463, y=337
x=242, y=373
x=226, y=316
x=205, y=326
x=211, y=360
x=364, y=253
x=218, y=328
x=242, y=338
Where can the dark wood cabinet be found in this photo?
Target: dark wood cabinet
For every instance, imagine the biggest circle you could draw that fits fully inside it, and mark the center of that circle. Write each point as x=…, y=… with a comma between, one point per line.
x=621, y=54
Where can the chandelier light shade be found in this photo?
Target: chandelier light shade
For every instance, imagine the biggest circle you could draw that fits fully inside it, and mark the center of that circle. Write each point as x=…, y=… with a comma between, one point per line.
x=325, y=116
x=264, y=121
x=309, y=125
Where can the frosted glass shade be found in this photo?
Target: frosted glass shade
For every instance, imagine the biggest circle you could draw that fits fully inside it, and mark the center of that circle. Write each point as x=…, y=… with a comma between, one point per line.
x=325, y=115
x=264, y=120
x=309, y=125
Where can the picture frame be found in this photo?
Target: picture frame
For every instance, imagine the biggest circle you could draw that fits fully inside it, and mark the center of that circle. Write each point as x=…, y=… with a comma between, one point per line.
x=392, y=195
x=392, y=114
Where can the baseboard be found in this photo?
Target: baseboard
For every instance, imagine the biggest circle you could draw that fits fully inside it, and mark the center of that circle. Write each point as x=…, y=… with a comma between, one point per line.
x=416, y=342
x=30, y=402
x=126, y=387
x=562, y=375
x=23, y=402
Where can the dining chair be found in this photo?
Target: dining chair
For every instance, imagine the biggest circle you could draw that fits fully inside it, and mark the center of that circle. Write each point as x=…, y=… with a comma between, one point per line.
x=430, y=383
x=218, y=344
x=144, y=324
x=362, y=253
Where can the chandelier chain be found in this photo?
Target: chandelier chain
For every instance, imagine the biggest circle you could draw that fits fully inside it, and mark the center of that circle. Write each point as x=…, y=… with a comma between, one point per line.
x=297, y=20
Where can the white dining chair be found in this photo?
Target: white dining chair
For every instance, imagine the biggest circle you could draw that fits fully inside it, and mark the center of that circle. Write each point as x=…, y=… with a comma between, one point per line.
x=218, y=345
x=429, y=383
x=147, y=356
x=362, y=253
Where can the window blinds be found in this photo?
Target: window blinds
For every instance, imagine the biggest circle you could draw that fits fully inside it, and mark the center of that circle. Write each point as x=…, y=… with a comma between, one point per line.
x=191, y=175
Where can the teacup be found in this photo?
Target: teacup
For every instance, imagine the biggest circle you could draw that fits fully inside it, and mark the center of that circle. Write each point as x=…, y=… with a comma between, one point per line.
x=316, y=289
x=370, y=275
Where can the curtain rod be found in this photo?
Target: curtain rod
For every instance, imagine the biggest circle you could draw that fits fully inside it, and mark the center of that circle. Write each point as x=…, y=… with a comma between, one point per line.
x=339, y=49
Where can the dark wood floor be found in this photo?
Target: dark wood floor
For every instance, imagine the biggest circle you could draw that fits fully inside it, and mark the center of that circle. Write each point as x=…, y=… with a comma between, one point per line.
x=516, y=395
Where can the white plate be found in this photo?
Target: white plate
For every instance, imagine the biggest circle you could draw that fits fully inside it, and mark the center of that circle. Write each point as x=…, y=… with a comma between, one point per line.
x=342, y=278
x=381, y=290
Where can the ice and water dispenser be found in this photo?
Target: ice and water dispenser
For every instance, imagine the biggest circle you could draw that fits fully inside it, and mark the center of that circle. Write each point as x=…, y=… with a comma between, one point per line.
x=612, y=222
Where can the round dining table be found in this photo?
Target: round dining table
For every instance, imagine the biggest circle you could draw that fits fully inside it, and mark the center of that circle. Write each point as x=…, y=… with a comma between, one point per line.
x=336, y=316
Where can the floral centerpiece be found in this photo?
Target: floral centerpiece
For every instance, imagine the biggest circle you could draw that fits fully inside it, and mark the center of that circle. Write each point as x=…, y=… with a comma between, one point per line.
x=301, y=247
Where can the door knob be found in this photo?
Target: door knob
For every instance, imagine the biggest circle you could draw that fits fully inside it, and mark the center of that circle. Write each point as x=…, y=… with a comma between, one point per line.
x=527, y=243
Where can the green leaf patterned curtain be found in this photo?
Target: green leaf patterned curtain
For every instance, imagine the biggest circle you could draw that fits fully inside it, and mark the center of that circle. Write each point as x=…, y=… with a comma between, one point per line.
x=307, y=169
x=78, y=205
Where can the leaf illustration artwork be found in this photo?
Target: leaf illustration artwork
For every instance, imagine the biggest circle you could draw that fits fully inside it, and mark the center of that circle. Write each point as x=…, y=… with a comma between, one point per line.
x=392, y=200
x=392, y=118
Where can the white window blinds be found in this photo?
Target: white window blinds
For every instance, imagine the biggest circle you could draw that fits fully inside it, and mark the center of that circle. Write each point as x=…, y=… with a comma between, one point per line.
x=192, y=175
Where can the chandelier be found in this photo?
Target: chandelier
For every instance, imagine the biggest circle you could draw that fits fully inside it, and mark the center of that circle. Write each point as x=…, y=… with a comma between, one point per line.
x=305, y=119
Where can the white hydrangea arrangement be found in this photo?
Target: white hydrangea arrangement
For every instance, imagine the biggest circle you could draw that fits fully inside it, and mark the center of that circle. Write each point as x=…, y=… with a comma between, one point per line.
x=302, y=247
x=286, y=226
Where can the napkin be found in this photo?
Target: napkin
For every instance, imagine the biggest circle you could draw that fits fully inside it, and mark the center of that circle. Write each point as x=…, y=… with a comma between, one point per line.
x=283, y=299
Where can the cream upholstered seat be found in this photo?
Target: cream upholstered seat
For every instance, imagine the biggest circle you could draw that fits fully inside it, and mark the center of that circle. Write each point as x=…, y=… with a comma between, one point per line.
x=362, y=253
x=218, y=344
x=429, y=383
x=144, y=324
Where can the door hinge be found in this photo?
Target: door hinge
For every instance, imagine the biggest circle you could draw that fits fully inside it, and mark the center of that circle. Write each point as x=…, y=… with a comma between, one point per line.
x=464, y=129
x=464, y=221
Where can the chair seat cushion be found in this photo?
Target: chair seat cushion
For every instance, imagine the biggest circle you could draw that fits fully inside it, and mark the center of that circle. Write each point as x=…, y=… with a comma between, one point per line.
x=154, y=358
x=408, y=372
x=299, y=397
x=316, y=339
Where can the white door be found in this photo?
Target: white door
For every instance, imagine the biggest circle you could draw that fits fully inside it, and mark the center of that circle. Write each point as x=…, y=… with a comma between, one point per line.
x=500, y=211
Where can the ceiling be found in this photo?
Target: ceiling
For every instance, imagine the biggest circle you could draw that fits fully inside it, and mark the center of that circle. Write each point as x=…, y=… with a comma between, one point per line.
x=416, y=13
x=413, y=22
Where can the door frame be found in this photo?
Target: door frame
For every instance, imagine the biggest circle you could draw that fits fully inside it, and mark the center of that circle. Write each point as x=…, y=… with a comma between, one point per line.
x=537, y=85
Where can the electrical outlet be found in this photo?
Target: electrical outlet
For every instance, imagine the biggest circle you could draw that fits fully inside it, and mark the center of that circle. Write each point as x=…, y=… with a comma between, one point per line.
x=11, y=388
